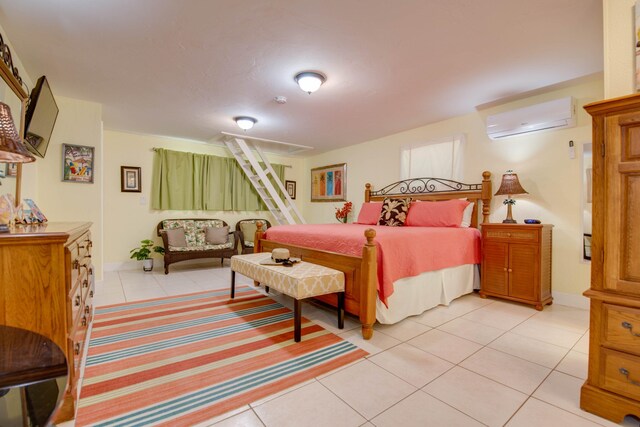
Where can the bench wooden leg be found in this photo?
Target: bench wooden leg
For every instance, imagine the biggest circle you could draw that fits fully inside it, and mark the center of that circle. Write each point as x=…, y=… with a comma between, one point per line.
x=340, y=310
x=297, y=319
x=233, y=284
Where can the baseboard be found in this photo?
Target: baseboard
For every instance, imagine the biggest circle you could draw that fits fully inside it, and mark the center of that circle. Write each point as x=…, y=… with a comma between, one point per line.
x=571, y=300
x=125, y=265
x=158, y=264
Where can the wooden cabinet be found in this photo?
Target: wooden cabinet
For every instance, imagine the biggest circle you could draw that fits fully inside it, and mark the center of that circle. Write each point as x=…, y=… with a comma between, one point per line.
x=612, y=389
x=516, y=262
x=46, y=286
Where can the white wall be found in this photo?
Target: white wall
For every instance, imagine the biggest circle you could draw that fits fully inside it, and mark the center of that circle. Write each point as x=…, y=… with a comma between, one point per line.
x=553, y=180
x=129, y=218
x=619, y=47
x=79, y=123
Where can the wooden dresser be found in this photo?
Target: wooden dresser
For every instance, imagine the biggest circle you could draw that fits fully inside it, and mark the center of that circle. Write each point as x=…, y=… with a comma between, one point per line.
x=516, y=262
x=46, y=286
x=612, y=389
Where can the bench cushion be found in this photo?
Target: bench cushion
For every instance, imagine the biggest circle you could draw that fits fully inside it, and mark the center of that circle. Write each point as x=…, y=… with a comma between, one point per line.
x=303, y=280
x=194, y=231
x=227, y=245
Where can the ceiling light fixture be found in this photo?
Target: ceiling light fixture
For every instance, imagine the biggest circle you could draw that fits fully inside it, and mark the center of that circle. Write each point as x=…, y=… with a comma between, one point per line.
x=310, y=81
x=245, y=122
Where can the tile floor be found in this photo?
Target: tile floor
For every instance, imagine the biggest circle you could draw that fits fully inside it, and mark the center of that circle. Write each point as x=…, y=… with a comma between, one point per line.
x=477, y=362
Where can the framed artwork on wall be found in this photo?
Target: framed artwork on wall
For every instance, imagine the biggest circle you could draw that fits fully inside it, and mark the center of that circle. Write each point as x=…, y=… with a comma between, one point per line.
x=78, y=163
x=329, y=183
x=130, y=179
x=291, y=189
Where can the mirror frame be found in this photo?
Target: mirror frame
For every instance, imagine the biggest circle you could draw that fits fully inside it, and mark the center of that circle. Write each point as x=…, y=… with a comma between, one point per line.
x=23, y=96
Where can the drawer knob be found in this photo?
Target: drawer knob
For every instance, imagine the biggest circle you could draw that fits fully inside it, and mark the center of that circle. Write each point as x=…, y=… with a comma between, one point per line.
x=625, y=372
x=509, y=270
x=508, y=234
x=504, y=269
x=629, y=326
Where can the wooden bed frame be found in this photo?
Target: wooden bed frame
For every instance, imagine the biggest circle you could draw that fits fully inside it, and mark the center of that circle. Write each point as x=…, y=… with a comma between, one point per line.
x=361, y=277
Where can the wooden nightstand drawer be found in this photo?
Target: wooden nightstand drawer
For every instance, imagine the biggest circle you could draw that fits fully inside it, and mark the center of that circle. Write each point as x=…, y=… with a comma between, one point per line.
x=620, y=373
x=513, y=235
x=621, y=328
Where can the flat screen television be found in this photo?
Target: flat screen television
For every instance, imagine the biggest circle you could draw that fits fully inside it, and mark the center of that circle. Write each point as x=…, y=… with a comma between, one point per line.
x=40, y=118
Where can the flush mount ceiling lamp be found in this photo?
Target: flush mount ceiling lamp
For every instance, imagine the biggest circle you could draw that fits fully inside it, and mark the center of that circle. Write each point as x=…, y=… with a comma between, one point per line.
x=245, y=122
x=310, y=81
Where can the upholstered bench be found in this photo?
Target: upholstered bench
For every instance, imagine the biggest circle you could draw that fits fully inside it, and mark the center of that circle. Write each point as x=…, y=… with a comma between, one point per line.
x=300, y=281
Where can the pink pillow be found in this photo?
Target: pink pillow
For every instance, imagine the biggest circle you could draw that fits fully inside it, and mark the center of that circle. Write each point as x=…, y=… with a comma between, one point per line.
x=369, y=213
x=446, y=213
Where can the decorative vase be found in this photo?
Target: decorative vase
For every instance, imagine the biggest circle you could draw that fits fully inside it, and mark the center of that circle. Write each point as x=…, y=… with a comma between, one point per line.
x=147, y=264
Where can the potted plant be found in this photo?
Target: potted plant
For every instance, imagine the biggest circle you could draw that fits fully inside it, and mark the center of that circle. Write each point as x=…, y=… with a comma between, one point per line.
x=143, y=253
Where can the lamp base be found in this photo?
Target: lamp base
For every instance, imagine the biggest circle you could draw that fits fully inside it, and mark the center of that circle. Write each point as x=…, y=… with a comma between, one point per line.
x=509, y=221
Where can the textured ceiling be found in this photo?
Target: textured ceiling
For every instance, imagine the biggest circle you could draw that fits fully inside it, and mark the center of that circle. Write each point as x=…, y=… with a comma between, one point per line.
x=184, y=68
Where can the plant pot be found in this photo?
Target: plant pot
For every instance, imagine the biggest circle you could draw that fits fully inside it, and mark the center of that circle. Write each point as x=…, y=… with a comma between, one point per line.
x=147, y=264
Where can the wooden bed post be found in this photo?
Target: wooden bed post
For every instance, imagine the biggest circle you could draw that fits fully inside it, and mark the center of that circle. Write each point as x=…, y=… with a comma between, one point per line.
x=367, y=192
x=368, y=284
x=257, y=247
x=486, y=195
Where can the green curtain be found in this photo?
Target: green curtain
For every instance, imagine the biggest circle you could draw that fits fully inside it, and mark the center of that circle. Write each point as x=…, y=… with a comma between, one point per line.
x=189, y=181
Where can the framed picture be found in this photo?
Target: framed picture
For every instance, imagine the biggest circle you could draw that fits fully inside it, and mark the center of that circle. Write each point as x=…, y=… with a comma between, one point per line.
x=329, y=183
x=291, y=189
x=78, y=163
x=12, y=169
x=130, y=179
x=586, y=246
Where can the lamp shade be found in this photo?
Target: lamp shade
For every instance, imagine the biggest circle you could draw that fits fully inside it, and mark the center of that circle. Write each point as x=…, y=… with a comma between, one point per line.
x=310, y=81
x=12, y=150
x=510, y=185
x=245, y=122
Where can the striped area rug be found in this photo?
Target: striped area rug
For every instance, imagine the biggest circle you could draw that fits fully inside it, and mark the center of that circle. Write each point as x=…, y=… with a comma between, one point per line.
x=182, y=360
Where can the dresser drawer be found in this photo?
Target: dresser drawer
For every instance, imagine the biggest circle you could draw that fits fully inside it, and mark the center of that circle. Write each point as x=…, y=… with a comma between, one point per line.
x=512, y=235
x=81, y=248
x=620, y=373
x=621, y=329
x=76, y=302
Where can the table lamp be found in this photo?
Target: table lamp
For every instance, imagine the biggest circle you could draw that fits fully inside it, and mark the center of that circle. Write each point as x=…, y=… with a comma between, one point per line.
x=12, y=150
x=510, y=186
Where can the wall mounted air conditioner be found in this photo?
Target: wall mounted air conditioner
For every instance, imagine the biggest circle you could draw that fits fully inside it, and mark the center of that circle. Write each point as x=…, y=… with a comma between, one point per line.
x=556, y=114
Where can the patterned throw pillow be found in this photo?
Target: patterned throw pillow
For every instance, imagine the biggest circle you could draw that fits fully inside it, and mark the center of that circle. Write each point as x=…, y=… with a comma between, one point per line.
x=394, y=212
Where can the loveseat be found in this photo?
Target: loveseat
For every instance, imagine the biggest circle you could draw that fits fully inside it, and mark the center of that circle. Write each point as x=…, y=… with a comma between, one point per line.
x=193, y=238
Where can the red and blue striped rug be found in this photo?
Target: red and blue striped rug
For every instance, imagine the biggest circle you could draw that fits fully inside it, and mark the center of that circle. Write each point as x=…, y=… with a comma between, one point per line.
x=182, y=360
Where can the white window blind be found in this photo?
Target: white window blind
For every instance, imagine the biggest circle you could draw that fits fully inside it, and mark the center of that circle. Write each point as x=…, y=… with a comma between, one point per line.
x=440, y=159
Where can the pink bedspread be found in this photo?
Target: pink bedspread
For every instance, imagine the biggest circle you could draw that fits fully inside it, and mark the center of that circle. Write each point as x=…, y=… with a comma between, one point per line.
x=402, y=251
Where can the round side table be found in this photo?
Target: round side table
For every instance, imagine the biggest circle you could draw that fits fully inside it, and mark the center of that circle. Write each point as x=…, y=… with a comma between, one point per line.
x=33, y=378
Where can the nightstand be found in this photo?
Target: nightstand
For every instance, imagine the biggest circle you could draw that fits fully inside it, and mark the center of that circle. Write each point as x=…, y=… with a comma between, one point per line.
x=516, y=263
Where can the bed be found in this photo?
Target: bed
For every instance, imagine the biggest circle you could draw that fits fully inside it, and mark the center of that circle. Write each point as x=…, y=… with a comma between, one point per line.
x=386, y=280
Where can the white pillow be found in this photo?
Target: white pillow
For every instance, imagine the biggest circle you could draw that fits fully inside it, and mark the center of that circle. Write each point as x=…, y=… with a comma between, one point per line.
x=466, y=215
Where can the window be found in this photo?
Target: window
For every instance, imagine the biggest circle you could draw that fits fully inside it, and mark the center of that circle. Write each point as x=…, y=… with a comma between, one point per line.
x=439, y=159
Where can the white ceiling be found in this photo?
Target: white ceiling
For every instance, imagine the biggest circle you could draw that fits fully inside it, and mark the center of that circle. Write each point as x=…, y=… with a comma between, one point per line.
x=184, y=68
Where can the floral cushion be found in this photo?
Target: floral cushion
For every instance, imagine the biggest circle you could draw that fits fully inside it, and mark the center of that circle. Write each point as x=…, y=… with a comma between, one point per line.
x=227, y=245
x=194, y=230
x=189, y=229
x=394, y=212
